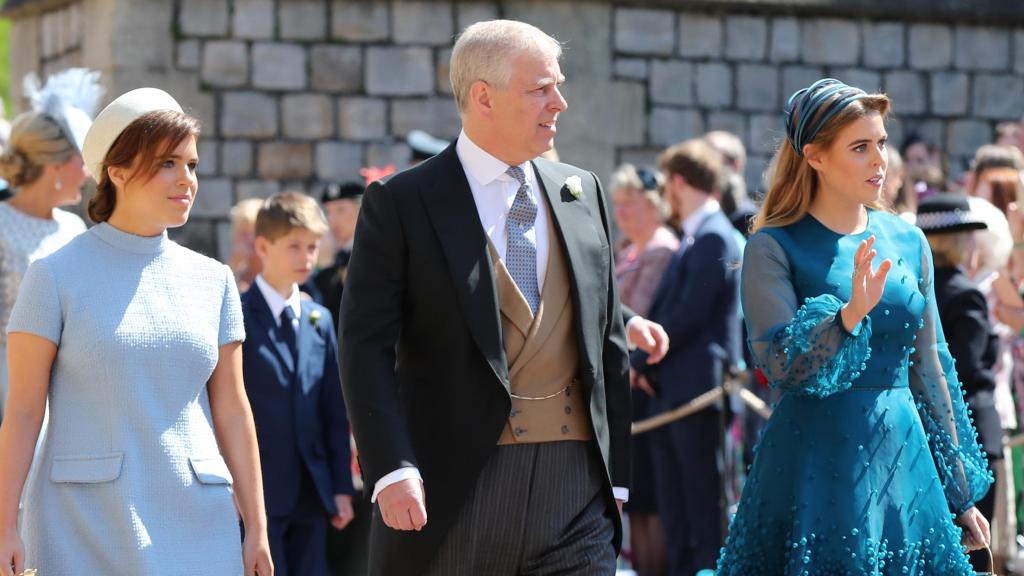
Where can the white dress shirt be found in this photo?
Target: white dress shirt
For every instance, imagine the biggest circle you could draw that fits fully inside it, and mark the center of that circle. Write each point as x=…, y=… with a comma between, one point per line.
x=277, y=302
x=694, y=221
x=493, y=193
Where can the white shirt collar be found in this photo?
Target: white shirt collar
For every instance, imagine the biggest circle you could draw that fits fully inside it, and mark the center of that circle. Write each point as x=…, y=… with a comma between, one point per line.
x=694, y=221
x=481, y=165
x=276, y=302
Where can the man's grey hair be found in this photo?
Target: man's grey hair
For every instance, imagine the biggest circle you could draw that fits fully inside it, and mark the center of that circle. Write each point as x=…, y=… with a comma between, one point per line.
x=484, y=51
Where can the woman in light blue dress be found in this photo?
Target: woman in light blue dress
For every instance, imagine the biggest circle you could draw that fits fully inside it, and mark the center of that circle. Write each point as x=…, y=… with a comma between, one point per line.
x=870, y=464
x=135, y=342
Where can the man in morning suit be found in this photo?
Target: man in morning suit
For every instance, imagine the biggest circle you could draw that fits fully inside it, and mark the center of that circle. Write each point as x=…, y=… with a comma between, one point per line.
x=482, y=344
x=697, y=305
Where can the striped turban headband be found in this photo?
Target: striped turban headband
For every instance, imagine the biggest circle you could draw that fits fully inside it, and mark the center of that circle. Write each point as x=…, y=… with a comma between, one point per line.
x=809, y=109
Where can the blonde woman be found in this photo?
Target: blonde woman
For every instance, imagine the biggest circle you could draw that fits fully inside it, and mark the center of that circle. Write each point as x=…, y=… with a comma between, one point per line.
x=43, y=165
x=870, y=452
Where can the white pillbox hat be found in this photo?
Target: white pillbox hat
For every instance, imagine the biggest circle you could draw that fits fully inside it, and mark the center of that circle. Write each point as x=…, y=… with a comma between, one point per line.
x=110, y=122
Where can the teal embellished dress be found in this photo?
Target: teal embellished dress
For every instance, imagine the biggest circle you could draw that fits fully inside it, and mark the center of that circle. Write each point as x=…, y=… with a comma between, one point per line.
x=870, y=453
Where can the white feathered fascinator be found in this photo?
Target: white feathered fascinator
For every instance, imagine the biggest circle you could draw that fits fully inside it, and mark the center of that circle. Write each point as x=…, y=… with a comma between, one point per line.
x=70, y=97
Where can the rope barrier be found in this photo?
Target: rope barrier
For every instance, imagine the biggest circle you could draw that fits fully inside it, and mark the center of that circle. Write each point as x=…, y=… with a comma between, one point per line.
x=703, y=401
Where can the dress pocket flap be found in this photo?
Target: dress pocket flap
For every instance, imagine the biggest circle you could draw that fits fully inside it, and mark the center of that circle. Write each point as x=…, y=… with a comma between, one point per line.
x=87, y=468
x=211, y=470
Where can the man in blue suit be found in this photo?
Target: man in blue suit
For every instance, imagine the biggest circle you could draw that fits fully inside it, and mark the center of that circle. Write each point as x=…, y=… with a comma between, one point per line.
x=696, y=303
x=290, y=366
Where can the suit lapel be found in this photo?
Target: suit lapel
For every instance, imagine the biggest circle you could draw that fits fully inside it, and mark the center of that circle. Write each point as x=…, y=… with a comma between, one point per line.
x=574, y=224
x=449, y=205
x=266, y=318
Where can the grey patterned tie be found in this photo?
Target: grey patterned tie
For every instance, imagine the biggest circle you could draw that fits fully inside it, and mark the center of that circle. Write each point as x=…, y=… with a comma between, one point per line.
x=521, y=252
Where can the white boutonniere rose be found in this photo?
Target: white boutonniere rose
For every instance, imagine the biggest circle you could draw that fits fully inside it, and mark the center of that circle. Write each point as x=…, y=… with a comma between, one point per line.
x=314, y=317
x=575, y=186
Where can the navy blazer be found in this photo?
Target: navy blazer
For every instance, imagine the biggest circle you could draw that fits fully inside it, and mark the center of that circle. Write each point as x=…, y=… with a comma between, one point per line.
x=696, y=303
x=296, y=430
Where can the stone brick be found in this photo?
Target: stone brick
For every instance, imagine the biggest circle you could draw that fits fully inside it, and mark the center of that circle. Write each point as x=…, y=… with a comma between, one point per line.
x=245, y=189
x=883, y=45
x=199, y=235
x=339, y=161
x=302, y=19
x=785, y=40
x=671, y=82
x=1000, y=97
x=830, y=41
x=279, y=160
x=225, y=63
x=931, y=130
x=631, y=68
x=931, y=46
x=797, y=77
x=236, y=158
x=745, y=37
x=640, y=31
x=442, y=70
x=394, y=71
x=418, y=22
x=203, y=17
x=307, y=116
x=188, y=55
x=362, y=118
x=640, y=157
x=714, y=84
x=668, y=126
x=1018, y=50
x=253, y=19
x=396, y=154
x=700, y=35
x=949, y=93
x=139, y=39
x=908, y=92
x=336, y=68
x=615, y=119
x=467, y=13
x=224, y=241
x=208, y=165
x=584, y=27
x=867, y=80
x=278, y=66
x=437, y=116
x=733, y=122
x=757, y=87
x=766, y=133
x=248, y=115
x=213, y=199
x=982, y=48
x=755, y=173
x=359, y=21
x=965, y=136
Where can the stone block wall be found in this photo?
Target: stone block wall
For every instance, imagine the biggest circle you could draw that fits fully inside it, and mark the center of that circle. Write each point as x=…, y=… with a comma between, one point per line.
x=296, y=92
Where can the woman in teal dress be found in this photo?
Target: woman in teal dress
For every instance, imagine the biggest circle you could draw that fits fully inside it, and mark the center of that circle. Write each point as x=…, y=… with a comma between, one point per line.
x=870, y=463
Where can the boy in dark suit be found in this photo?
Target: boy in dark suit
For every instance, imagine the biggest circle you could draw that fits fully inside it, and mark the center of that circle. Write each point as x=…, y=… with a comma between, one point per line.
x=291, y=375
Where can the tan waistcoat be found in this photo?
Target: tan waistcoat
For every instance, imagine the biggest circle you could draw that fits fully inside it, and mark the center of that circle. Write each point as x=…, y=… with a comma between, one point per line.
x=542, y=355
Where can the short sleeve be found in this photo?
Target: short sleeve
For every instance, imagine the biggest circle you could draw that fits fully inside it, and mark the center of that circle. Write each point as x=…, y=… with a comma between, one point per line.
x=38, y=308
x=232, y=327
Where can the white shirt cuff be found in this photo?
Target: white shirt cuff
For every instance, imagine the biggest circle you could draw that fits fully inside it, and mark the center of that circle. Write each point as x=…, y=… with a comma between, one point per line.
x=620, y=493
x=632, y=322
x=394, y=478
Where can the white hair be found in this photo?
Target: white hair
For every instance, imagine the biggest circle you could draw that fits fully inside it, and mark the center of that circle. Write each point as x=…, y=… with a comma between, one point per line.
x=994, y=244
x=484, y=51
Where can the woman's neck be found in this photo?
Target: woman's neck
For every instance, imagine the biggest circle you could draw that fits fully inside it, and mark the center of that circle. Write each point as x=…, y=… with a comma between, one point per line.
x=34, y=201
x=125, y=222
x=643, y=237
x=839, y=214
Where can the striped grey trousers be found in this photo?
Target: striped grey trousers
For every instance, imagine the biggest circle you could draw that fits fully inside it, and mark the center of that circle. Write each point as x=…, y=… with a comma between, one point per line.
x=536, y=510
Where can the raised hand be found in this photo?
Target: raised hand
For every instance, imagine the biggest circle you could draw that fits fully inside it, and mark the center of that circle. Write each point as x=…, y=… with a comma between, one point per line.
x=868, y=284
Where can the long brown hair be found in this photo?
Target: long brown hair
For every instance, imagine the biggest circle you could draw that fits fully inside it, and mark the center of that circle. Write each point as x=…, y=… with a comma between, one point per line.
x=141, y=147
x=794, y=183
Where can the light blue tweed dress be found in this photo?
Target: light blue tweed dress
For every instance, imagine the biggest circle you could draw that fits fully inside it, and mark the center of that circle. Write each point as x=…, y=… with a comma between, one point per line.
x=130, y=478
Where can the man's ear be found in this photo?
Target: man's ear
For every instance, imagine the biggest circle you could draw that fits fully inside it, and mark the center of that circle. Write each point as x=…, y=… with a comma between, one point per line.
x=481, y=97
x=260, y=245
